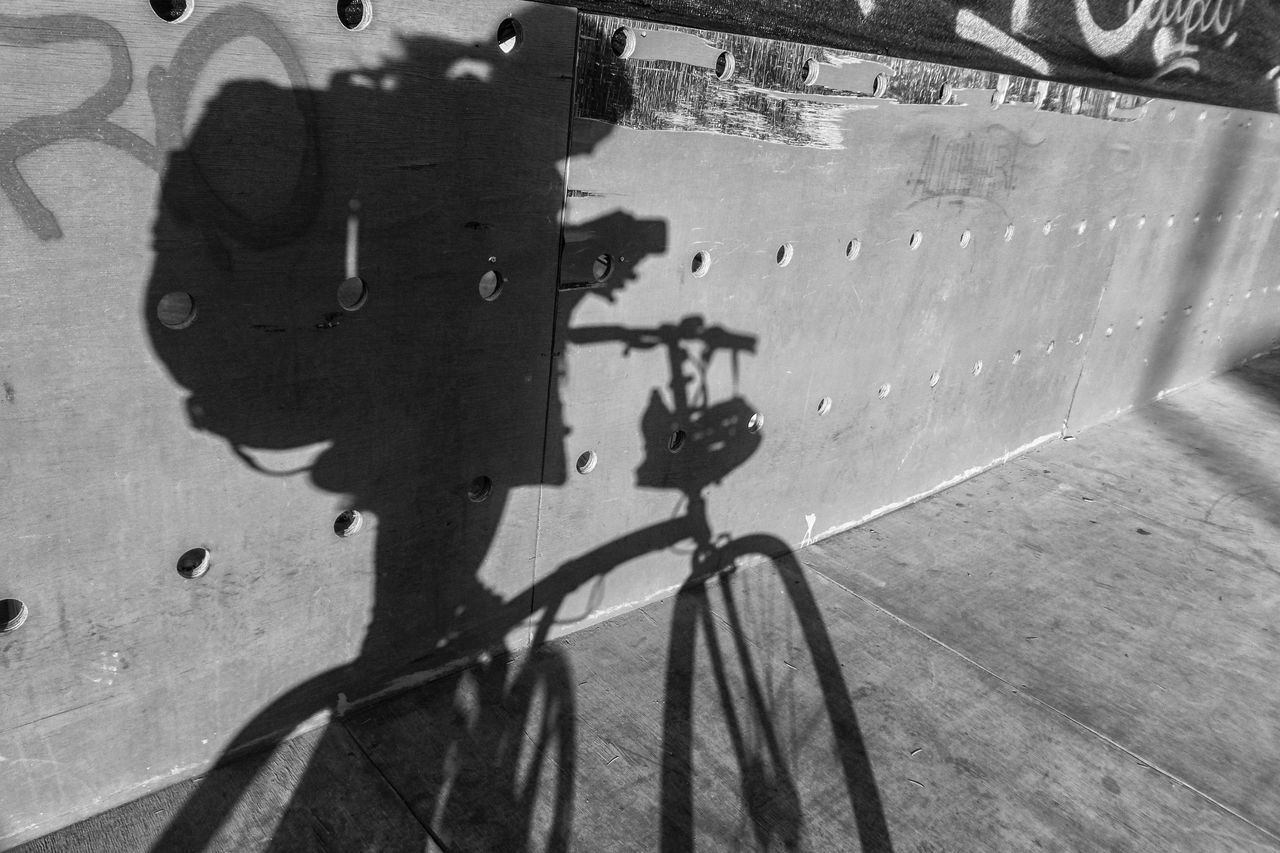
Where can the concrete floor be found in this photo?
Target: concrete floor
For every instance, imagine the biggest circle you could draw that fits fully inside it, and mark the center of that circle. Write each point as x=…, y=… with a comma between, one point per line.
x=1075, y=651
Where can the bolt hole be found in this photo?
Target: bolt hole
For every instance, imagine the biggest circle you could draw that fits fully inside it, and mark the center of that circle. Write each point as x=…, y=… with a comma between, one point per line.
x=1138, y=325
x=1169, y=223
x=1081, y=227
x=490, y=285
x=675, y=441
x=355, y=14
x=977, y=368
x=824, y=405
x=809, y=71
x=1017, y=356
x=173, y=11
x=853, y=249
x=602, y=267
x=176, y=310
x=701, y=264
x=353, y=294
x=1142, y=221
x=479, y=489
x=1009, y=232
x=966, y=238
x=13, y=612
x=916, y=238
x=884, y=390
x=755, y=423
x=510, y=35
x=785, y=252
x=1110, y=331
x=1111, y=224
x=348, y=523
x=725, y=65
x=934, y=379
x=1047, y=228
x=623, y=42
x=1049, y=348
x=194, y=563
x=587, y=462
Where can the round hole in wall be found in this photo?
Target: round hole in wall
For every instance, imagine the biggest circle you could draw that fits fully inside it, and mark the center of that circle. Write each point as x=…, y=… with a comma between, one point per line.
x=701, y=264
x=623, y=42
x=13, y=612
x=785, y=252
x=176, y=310
x=916, y=238
x=725, y=65
x=755, y=423
x=348, y=523
x=194, y=563
x=173, y=11
x=824, y=405
x=355, y=14
x=353, y=294
x=883, y=390
x=510, y=35
x=490, y=285
x=966, y=237
x=809, y=71
x=935, y=378
x=853, y=248
x=602, y=267
x=587, y=462
x=479, y=489
x=675, y=441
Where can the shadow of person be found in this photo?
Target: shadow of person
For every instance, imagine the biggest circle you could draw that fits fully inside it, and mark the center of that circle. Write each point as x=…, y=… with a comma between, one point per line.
x=371, y=267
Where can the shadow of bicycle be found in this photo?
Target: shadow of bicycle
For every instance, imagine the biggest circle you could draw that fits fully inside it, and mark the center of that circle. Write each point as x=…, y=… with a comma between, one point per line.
x=324, y=277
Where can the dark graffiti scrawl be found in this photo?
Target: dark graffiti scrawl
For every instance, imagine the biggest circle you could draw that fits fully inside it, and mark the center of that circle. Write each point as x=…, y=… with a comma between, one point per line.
x=979, y=165
x=170, y=91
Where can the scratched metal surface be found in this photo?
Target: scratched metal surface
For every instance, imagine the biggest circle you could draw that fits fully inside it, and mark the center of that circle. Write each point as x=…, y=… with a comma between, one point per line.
x=685, y=79
x=254, y=157
x=937, y=360
x=1216, y=52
